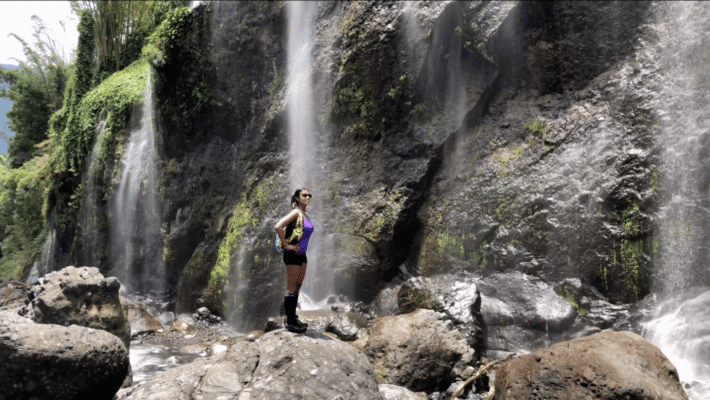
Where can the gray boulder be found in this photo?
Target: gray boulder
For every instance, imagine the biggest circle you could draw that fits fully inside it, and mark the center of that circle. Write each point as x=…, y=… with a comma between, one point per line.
x=519, y=310
x=454, y=295
x=278, y=365
x=419, y=351
x=79, y=296
x=607, y=365
x=47, y=361
x=522, y=300
x=139, y=318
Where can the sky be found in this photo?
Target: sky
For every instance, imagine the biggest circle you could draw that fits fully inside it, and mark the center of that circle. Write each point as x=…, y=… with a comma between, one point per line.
x=15, y=17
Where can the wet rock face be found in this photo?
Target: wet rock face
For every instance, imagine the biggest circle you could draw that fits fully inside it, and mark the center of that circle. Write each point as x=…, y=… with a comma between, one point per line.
x=79, y=296
x=486, y=136
x=47, y=361
x=277, y=365
x=519, y=312
x=419, y=351
x=352, y=258
x=528, y=302
x=578, y=41
x=607, y=365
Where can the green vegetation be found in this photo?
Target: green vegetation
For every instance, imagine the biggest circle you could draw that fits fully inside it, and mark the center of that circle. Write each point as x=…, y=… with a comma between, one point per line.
x=565, y=294
x=503, y=211
x=478, y=258
x=163, y=45
x=537, y=127
x=36, y=90
x=121, y=29
x=452, y=245
x=471, y=34
x=241, y=218
x=55, y=111
x=631, y=248
x=21, y=214
x=630, y=252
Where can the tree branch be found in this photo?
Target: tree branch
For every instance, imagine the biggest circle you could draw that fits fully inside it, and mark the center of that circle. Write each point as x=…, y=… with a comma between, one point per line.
x=482, y=370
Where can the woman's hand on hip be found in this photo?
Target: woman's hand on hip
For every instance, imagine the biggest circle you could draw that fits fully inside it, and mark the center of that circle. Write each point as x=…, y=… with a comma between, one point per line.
x=293, y=247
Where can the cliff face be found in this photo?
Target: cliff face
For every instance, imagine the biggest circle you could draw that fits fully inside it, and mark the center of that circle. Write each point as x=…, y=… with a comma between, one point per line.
x=450, y=136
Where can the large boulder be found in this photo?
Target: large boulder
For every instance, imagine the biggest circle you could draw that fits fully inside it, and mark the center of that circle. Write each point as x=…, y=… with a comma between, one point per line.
x=13, y=295
x=140, y=320
x=518, y=310
x=47, y=361
x=278, y=365
x=454, y=295
x=79, y=296
x=419, y=351
x=607, y=365
x=458, y=297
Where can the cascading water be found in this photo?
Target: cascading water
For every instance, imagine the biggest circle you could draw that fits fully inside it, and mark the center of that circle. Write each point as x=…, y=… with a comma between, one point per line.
x=135, y=219
x=680, y=324
x=89, y=215
x=48, y=262
x=304, y=166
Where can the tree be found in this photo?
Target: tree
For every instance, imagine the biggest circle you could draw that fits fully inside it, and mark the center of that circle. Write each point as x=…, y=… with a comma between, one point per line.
x=36, y=89
x=121, y=28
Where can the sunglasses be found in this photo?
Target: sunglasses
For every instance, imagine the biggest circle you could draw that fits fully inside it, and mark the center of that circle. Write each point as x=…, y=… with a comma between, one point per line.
x=307, y=195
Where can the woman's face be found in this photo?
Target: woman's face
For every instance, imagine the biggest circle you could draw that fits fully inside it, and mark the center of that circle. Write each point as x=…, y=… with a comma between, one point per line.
x=305, y=197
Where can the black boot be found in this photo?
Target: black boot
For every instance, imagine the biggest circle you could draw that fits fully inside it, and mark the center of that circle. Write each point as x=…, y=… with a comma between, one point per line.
x=291, y=324
x=302, y=325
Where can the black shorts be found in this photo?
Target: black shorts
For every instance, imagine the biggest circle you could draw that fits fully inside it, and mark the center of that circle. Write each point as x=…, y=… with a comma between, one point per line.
x=294, y=259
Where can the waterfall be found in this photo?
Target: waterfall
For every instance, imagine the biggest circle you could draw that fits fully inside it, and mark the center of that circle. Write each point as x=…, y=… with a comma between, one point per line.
x=304, y=167
x=135, y=218
x=89, y=213
x=301, y=124
x=48, y=262
x=679, y=326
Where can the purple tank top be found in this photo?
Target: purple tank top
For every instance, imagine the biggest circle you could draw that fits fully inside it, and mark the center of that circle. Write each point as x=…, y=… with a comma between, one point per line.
x=307, y=231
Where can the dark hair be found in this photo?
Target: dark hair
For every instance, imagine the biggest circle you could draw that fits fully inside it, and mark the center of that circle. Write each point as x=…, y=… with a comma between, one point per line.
x=294, y=198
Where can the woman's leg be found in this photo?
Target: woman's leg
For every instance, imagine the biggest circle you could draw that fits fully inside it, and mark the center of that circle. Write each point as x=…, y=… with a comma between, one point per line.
x=300, y=272
x=293, y=283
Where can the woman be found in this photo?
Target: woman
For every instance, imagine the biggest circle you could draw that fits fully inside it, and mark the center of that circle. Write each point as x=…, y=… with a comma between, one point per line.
x=295, y=257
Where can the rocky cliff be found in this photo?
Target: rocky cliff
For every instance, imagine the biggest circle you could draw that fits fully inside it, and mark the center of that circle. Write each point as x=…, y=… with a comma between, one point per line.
x=478, y=136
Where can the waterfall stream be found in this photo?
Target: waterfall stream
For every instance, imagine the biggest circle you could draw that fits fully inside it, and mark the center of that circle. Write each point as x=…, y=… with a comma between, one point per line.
x=136, y=239
x=89, y=213
x=680, y=321
x=304, y=168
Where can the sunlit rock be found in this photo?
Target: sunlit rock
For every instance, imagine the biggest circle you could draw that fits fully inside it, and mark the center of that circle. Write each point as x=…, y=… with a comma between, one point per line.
x=607, y=365
x=279, y=364
x=441, y=353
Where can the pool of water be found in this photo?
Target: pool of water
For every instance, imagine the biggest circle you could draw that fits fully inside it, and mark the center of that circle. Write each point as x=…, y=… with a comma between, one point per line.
x=149, y=359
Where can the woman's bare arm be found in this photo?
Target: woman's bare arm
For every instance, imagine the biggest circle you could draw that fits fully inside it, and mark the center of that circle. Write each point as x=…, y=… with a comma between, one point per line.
x=280, y=226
